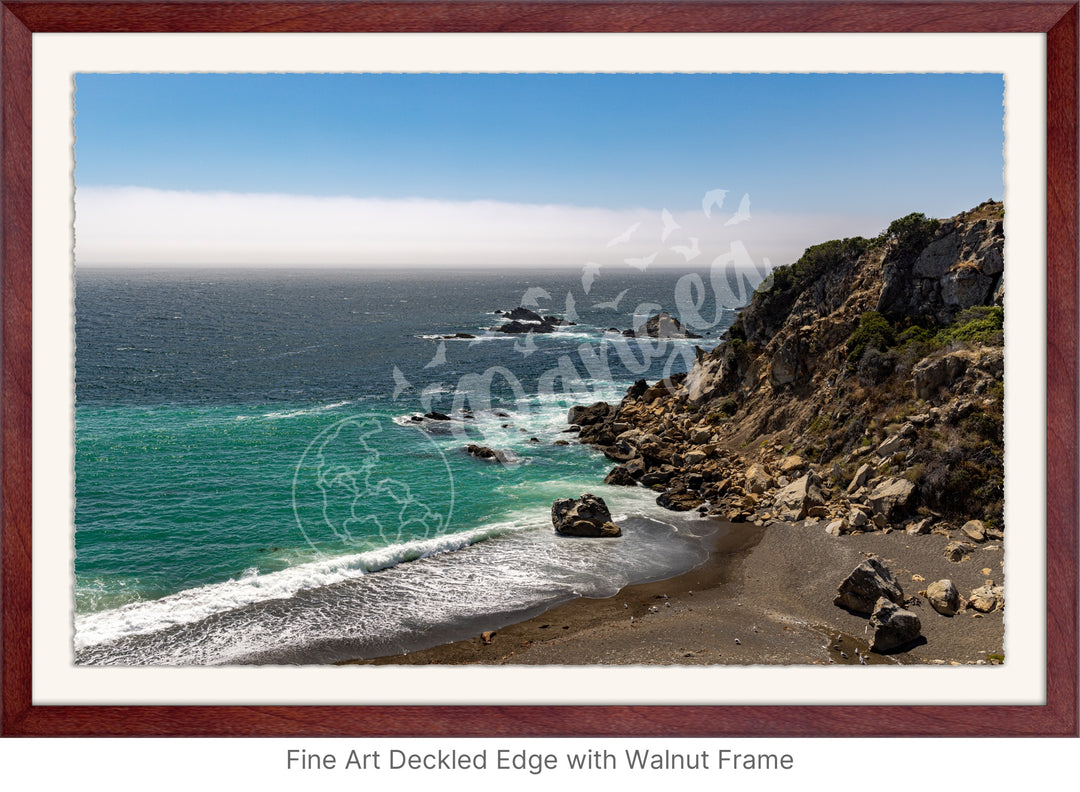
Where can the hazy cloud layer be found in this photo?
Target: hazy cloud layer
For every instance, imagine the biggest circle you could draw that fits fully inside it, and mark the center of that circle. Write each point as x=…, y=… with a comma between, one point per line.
x=137, y=226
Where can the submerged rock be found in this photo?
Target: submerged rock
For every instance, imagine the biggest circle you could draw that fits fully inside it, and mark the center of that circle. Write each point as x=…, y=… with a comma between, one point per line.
x=483, y=452
x=587, y=516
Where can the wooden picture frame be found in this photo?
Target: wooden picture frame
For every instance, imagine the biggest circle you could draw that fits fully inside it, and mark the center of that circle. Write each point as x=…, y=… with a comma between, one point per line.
x=1057, y=20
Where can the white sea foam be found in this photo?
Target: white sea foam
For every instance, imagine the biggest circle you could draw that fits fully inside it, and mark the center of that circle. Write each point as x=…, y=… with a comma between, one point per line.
x=331, y=613
x=195, y=604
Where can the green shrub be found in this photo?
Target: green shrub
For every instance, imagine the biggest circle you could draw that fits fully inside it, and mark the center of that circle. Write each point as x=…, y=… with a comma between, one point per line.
x=912, y=232
x=981, y=324
x=874, y=331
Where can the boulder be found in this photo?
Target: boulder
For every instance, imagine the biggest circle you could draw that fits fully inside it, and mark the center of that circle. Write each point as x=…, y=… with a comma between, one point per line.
x=701, y=436
x=868, y=582
x=621, y=477
x=857, y=518
x=890, y=446
x=526, y=327
x=974, y=530
x=483, y=452
x=582, y=415
x=943, y=597
x=931, y=374
x=862, y=475
x=663, y=325
x=919, y=527
x=757, y=480
x=679, y=499
x=891, y=496
x=523, y=314
x=958, y=551
x=792, y=464
x=695, y=457
x=892, y=626
x=797, y=498
x=837, y=528
x=587, y=516
x=987, y=597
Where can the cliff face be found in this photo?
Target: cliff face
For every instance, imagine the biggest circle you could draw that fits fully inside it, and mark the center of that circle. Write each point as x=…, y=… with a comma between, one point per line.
x=869, y=373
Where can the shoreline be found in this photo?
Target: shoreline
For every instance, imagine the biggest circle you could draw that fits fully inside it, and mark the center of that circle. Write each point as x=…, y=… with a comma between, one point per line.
x=755, y=588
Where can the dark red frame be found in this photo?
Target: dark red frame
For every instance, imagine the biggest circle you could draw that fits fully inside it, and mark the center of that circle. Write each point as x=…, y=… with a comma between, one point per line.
x=1058, y=20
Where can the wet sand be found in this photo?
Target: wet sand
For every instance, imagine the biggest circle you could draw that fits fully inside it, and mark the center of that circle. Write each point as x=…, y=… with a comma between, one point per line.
x=770, y=589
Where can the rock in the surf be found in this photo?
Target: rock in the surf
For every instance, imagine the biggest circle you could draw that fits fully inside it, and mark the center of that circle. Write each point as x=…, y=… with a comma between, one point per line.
x=586, y=516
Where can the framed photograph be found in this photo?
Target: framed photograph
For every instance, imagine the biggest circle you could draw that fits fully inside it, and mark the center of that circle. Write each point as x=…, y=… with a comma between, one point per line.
x=539, y=369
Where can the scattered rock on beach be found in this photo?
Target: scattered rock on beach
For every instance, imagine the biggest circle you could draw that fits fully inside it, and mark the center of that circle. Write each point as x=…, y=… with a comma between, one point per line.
x=943, y=597
x=587, y=516
x=892, y=626
x=868, y=582
x=958, y=551
x=987, y=597
x=974, y=530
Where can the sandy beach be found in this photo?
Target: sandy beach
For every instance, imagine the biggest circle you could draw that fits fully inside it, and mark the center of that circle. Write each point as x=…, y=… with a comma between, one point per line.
x=765, y=596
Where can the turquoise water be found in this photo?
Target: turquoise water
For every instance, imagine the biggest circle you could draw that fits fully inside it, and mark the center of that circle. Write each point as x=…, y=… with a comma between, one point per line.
x=255, y=481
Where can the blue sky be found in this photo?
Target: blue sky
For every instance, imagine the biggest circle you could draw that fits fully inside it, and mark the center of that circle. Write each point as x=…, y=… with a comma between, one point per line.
x=855, y=149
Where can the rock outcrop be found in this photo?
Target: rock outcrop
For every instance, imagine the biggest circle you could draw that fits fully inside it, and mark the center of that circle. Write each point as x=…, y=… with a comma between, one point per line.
x=892, y=626
x=525, y=320
x=587, y=516
x=663, y=325
x=862, y=387
x=869, y=582
x=943, y=597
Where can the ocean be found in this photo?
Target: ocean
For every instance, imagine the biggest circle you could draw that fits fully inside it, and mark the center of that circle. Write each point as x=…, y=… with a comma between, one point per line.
x=255, y=480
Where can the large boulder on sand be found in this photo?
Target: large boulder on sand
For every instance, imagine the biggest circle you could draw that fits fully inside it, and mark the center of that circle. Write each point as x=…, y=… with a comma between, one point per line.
x=943, y=597
x=868, y=582
x=892, y=626
x=586, y=516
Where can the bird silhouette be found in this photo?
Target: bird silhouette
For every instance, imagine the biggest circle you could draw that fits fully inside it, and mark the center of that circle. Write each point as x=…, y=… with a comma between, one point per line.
x=612, y=304
x=440, y=356
x=532, y=294
x=400, y=383
x=669, y=225
x=712, y=198
x=624, y=236
x=688, y=252
x=641, y=263
x=589, y=273
x=570, y=314
x=742, y=214
x=528, y=347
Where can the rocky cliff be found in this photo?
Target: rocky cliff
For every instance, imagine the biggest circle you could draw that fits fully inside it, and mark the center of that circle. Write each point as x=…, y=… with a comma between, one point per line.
x=861, y=387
